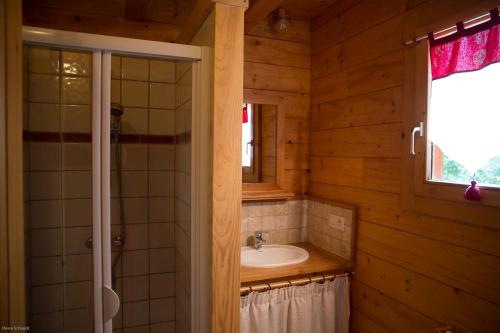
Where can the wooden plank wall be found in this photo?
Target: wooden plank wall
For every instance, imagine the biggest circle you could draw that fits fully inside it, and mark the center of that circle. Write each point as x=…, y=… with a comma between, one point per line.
x=415, y=272
x=279, y=65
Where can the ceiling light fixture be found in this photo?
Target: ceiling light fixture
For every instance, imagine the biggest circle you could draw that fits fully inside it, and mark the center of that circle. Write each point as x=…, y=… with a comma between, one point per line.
x=279, y=21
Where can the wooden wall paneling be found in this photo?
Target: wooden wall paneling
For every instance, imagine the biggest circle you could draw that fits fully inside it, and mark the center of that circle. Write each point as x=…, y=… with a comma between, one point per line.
x=298, y=32
x=384, y=72
x=434, y=268
x=264, y=50
x=332, y=12
x=381, y=40
x=468, y=270
x=379, y=107
x=372, y=206
x=439, y=301
x=384, y=209
x=226, y=202
x=434, y=15
x=54, y=18
x=297, y=104
x=296, y=181
x=464, y=212
x=297, y=130
x=362, y=324
x=363, y=141
x=359, y=18
x=296, y=156
x=378, y=174
x=14, y=160
x=382, y=309
x=275, y=77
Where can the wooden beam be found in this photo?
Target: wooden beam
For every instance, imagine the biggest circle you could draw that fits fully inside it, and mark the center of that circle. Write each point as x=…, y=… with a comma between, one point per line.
x=200, y=12
x=258, y=11
x=4, y=249
x=226, y=166
x=12, y=167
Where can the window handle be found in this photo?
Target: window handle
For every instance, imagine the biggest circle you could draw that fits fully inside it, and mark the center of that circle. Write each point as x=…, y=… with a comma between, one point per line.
x=251, y=143
x=420, y=130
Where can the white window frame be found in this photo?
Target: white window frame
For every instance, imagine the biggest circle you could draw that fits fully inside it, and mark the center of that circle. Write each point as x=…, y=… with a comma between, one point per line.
x=418, y=192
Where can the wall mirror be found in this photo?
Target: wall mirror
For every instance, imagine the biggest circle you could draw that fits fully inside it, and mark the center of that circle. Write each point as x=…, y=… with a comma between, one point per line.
x=262, y=148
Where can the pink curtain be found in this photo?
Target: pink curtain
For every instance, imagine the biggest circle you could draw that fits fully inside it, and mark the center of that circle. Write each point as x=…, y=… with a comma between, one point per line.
x=466, y=50
x=245, y=115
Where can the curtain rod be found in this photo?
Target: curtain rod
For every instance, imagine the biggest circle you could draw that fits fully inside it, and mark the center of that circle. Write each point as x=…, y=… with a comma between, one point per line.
x=289, y=283
x=448, y=30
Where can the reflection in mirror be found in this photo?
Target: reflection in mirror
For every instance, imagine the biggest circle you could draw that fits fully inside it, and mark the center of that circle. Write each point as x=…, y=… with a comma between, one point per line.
x=259, y=139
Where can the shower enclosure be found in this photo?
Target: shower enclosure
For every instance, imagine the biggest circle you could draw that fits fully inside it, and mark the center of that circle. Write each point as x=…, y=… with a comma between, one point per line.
x=107, y=146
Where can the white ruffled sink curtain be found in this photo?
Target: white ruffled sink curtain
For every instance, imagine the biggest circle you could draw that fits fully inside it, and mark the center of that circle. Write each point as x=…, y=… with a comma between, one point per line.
x=313, y=308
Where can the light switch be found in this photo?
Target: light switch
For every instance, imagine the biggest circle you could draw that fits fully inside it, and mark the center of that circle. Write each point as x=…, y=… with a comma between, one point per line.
x=337, y=222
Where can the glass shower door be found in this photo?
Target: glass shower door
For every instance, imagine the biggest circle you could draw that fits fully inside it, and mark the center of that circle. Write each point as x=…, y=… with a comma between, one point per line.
x=58, y=192
x=107, y=143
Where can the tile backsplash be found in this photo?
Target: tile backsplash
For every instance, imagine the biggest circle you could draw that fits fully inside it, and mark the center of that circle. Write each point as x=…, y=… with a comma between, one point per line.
x=330, y=226
x=282, y=221
x=326, y=224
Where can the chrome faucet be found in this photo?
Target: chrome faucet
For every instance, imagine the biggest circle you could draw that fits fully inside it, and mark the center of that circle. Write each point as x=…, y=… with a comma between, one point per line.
x=258, y=240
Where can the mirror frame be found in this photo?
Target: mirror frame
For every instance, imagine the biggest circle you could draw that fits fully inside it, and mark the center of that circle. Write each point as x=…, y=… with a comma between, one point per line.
x=263, y=191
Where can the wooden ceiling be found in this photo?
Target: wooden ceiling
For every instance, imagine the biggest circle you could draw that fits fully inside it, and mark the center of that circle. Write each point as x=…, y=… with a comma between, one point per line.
x=306, y=9
x=173, y=12
x=158, y=19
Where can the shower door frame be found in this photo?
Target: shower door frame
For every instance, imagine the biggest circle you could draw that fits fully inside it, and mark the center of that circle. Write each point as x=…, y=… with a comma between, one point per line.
x=102, y=46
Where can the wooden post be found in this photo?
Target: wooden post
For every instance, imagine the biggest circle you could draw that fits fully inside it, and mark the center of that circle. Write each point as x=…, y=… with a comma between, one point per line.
x=11, y=172
x=226, y=167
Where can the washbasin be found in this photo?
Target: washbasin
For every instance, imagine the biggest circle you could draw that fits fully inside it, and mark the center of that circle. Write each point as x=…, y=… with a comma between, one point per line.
x=269, y=256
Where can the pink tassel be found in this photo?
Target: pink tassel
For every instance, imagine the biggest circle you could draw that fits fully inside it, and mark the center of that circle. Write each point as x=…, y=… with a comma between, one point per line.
x=472, y=193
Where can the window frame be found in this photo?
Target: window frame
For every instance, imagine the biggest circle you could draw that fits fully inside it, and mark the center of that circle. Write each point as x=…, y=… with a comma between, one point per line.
x=418, y=192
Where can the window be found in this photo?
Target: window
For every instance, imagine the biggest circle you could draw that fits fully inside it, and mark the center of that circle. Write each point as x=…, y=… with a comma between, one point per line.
x=464, y=127
x=463, y=111
x=452, y=88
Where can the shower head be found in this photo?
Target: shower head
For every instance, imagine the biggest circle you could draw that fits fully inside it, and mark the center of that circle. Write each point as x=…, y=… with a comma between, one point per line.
x=116, y=111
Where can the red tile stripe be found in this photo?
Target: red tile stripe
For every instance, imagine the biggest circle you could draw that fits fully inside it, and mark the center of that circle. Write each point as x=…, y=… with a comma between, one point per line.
x=122, y=138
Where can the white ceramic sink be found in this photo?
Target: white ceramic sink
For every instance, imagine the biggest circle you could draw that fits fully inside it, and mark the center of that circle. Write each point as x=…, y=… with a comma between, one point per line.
x=270, y=256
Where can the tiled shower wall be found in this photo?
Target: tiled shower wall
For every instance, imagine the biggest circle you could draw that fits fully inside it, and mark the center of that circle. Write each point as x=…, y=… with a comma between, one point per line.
x=146, y=89
x=58, y=191
x=183, y=196
x=299, y=220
